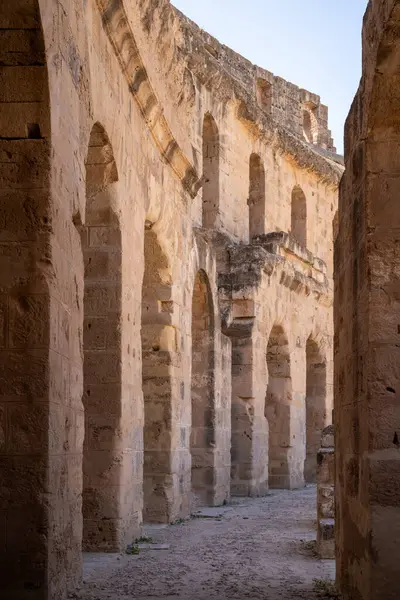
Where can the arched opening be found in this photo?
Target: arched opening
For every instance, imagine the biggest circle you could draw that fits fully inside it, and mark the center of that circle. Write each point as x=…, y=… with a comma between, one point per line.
x=101, y=247
x=264, y=94
x=211, y=152
x=278, y=407
x=243, y=425
x=256, y=199
x=310, y=123
x=158, y=345
x=315, y=407
x=299, y=216
x=202, y=438
x=307, y=126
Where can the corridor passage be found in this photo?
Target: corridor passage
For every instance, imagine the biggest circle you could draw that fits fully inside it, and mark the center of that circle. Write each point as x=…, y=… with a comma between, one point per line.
x=254, y=548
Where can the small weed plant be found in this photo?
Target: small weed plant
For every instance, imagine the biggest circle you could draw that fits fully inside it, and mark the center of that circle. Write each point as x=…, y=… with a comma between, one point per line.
x=178, y=522
x=143, y=539
x=326, y=589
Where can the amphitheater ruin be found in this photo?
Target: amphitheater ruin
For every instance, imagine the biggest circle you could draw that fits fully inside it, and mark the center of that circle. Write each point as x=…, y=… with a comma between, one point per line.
x=168, y=214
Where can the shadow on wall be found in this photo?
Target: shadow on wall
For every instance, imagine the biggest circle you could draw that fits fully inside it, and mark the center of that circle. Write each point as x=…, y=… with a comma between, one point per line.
x=211, y=158
x=157, y=358
x=101, y=248
x=299, y=216
x=278, y=408
x=315, y=407
x=256, y=199
x=202, y=437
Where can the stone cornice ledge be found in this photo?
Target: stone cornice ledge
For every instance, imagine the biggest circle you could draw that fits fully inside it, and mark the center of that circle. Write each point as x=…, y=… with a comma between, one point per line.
x=119, y=32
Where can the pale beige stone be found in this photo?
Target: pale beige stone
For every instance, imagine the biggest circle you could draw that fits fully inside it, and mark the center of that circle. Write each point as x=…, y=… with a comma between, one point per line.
x=166, y=231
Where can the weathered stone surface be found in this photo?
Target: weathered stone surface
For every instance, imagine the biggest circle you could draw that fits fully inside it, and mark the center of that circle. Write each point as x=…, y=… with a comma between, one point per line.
x=326, y=538
x=326, y=495
x=166, y=213
x=367, y=317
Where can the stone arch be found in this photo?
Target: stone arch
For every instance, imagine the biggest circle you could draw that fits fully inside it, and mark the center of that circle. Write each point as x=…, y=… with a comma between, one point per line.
x=256, y=199
x=102, y=369
x=278, y=407
x=316, y=382
x=28, y=345
x=299, y=216
x=158, y=345
x=202, y=438
x=101, y=169
x=211, y=174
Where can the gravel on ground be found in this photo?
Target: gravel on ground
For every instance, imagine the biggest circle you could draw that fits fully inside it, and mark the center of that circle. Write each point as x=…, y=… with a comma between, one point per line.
x=257, y=548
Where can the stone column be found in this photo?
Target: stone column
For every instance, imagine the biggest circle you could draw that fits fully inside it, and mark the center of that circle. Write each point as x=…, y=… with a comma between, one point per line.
x=326, y=495
x=249, y=454
x=222, y=418
x=41, y=425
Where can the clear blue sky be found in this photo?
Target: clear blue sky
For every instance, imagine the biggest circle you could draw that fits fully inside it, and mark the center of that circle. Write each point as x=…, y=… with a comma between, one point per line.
x=315, y=44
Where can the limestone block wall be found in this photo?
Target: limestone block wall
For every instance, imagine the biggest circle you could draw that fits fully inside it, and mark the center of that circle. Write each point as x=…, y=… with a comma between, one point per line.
x=367, y=410
x=275, y=385
x=30, y=461
x=113, y=258
x=326, y=495
x=280, y=182
x=218, y=89
x=284, y=101
x=192, y=55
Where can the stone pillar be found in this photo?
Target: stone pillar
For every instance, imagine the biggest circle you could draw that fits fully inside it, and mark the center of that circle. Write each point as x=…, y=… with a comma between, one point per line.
x=249, y=454
x=41, y=424
x=326, y=495
x=284, y=411
x=367, y=330
x=223, y=398
x=166, y=470
x=203, y=422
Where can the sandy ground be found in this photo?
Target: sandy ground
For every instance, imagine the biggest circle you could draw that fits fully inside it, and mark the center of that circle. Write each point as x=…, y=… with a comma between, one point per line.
x=258, y=548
